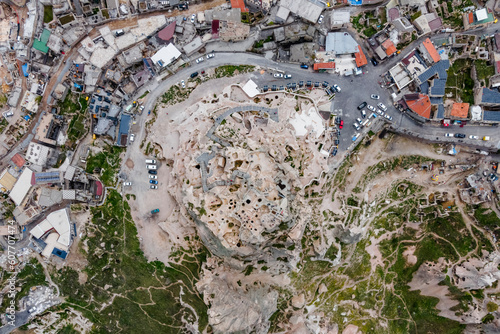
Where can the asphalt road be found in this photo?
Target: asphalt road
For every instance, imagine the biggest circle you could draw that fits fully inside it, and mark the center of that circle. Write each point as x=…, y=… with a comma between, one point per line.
x=354, y=91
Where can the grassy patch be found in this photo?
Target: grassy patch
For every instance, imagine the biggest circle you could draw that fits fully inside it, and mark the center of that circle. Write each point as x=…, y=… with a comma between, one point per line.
x=107, y=163
x=115, y=261
x=66, y=19
x=453, y=229
x=484, y=71
x=232, y=70
x=459, y=76
x=48, y=14
x=487, y=217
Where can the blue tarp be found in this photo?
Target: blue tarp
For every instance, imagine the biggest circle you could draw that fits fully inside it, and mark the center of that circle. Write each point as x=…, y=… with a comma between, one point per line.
x=25, y=69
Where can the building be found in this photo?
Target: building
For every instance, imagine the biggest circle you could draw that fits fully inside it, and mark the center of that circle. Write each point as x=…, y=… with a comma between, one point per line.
x=400, y=75
x=38, y=154
x=429, y=52
x=7, y=181
x=389, y=47
x=460, y=111
x=418, y=103
x=302, y=53
x=479, y=18
x=340, y=19
x=489, y=97
x=309, y=10
x=56, y=232
x=323, y=67
x=41, y=44
x=240, y=4
x=166, y=35
x=22, y=187
x=360, y=58
x=193, y=46
x=340, y=43
x=166, y=55
x=233, y=31
x=122, y=138
x=18, y=161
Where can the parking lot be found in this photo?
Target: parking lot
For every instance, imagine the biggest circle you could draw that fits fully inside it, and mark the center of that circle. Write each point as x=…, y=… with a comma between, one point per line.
x=344, y=104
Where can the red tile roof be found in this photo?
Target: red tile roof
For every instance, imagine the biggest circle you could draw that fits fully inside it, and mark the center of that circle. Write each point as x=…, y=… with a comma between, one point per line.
x=168, y=32
x=360, y=58
x=239, y=4
x=18, y=160
x=420, y=106
x=431, y=49
x=98, y=190
x=389, y=47
x=497, y=64
x=324, y=66
x=471, y=17
x=460, y=110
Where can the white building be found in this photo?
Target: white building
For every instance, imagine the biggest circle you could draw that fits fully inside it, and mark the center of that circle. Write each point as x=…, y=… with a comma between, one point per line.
x=22, y=187
x=166, y=55
x=38, y=154
x=57, y=230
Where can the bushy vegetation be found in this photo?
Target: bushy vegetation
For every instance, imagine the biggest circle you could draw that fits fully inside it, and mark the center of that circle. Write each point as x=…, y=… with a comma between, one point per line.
x=146, y=294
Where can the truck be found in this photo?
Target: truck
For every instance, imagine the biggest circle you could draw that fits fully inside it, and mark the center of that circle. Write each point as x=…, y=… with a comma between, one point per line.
x=150, y=161
x=486, y=138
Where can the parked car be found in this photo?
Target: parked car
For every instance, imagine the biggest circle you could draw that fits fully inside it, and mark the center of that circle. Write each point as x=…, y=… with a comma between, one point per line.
x=155, y=211
x=316, y=84
x=153, y=181
x=193, y=17
x=304, y=66
x=132, y=137
x=356, y=126
x=362, y=105
x=151, y=166
x=382, y=107
x=301, y=83
x=459, y=135
x=337, y=88
x=127, y=184
x=199, y=60
x=288, y=76
x=183, y=84
x=309, y=83
x=374, y=62
x=194, y=75
x=141, y=108
x=320, y=20
x=473, y=137
x=265, y=88
x=359, y=120
x=363, y=113
x=448, y=135
x=341, y=125
x=375, y=97
x=325, y=84
x=388, y=117
x=371, y=108
x=153, y=172
x=153, y=187
x=154, y=177
x=278, y=75
x=210, y=55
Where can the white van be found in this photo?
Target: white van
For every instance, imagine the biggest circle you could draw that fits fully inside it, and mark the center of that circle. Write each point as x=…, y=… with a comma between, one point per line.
x=150, y=161
x=151, y=166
